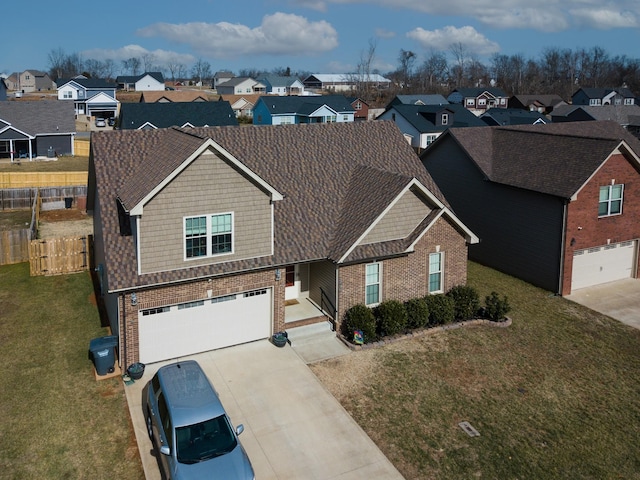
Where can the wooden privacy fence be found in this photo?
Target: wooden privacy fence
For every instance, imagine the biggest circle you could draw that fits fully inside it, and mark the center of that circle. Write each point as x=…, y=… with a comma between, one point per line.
x=14, y=246
x=52, y=197
x=56, y=256
x=42, y=179
x=81, y=147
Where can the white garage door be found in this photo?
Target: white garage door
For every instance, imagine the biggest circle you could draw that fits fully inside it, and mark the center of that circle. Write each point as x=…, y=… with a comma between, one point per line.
x=593, y=266
x=179, y=330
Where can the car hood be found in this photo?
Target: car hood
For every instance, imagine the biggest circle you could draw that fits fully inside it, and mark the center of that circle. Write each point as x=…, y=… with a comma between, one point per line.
x=233, y=465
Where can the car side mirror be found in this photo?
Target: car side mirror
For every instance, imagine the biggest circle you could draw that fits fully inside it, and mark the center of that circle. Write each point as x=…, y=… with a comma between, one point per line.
x=239, y=429
x=165, y=450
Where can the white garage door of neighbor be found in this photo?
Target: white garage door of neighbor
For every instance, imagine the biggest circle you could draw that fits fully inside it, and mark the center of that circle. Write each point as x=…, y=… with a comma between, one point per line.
x=593, y=266
x=179, y=330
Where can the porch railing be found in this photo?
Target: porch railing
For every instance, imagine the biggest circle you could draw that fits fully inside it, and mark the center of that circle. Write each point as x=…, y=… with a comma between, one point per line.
x=327, y=306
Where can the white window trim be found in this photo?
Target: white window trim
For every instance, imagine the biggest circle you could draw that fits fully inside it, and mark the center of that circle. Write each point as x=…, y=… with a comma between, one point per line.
x=208, y=234
x=609, y=200
x=441, y=273
x=379, y=283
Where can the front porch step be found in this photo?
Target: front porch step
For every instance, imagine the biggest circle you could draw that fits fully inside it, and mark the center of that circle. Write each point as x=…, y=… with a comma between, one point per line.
x=316, y=342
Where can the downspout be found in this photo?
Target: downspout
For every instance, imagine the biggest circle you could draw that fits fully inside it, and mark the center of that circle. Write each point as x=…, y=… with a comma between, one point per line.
x=563, y=242
x=123, y=329
x=336, y=321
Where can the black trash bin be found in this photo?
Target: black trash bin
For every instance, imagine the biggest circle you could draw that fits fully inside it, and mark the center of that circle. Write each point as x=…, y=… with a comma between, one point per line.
x=103, y=353
x=68, y=202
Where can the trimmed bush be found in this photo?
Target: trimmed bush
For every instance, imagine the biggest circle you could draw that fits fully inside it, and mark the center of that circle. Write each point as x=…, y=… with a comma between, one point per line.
x=466, y=302
x=417, y=313
x=359, y=317
x=391, y=317
x=441, y=309
x=496, y=308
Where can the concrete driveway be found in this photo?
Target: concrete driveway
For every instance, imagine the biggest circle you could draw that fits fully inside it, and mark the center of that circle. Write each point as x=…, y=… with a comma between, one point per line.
x=294, y=428
x=619, y=300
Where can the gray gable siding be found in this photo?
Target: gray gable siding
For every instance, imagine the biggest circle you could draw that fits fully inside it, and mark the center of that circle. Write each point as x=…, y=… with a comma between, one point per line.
x=530, y=248
x=322, y=277
x=162, y=243
x=402, y=219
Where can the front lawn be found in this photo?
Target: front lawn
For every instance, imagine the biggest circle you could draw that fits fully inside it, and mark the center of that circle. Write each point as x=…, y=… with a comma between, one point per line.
x=57, y=421
x=554, y=396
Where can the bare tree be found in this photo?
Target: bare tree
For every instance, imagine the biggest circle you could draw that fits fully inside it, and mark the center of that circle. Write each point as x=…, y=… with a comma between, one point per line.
x=459, y=53
x=407, y=59
x=201, y=71
x=434, y=72
x=57, y=59
x=131, y=65
x=148, y=61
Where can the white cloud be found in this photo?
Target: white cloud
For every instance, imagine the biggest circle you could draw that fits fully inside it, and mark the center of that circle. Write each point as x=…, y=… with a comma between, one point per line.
x=543, y=15
x=279, y=34
x=317, y=5
x=384, y=33
x=442, y=39
x=161, y=57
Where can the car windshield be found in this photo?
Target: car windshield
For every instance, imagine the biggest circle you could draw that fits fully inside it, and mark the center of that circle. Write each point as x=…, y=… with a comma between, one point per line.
x=205, y=440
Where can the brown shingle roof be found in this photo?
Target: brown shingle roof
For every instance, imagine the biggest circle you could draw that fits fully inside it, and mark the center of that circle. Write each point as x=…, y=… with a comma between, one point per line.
x=173, y=96
x=556, y=159
x=335, y=178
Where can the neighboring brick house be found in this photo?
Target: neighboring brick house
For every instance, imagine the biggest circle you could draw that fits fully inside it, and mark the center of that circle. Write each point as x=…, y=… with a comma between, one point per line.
x=205, y=236
x=479, y=100
x=360, y=107
x=556, y=205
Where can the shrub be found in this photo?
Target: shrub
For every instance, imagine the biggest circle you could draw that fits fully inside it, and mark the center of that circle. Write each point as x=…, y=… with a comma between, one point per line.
x=466, y=301
x=441, y=309
x=496, y=308
x=391, y=317
x=417, y=313
x=359, y=317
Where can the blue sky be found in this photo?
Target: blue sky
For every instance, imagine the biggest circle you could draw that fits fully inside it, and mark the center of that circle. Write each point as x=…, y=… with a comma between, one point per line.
x=320, y=36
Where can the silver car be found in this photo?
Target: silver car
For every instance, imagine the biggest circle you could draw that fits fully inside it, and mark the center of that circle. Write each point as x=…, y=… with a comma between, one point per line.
x=190, y=428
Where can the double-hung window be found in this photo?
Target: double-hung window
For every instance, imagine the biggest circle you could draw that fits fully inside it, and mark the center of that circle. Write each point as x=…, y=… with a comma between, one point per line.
x=208, y=235
x=435, y=272
x=610, y=202
x=372, y=283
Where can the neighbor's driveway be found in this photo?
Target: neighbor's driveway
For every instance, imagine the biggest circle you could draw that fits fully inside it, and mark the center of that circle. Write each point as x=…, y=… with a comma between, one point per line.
x=619, y=300
x=294, y=428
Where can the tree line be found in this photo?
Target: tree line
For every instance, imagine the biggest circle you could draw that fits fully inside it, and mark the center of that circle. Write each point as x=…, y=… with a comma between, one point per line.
x=556, y=70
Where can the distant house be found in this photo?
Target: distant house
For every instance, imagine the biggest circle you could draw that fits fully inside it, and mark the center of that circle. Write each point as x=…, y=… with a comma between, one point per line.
x=147, y=116
x=173, y=96
x=279, y=85
x=418, y=99
x=30, y=81
x=596, y=97
x=360, y=107
x=275, y=110
x=479, y=100
x=422, y=124
x=513, y=116
x=148, y=81
x=544, y=104
x=242, y=105
x=93, y=97
x=241, y=86
x=3, y=89
x=344, y=82
x=628, y=116
x=221, y=77
x=555, y=205
x=36, y=129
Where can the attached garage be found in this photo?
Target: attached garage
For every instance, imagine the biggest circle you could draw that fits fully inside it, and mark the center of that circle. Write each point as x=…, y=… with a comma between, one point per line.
x=187, y=328
x=608, y=263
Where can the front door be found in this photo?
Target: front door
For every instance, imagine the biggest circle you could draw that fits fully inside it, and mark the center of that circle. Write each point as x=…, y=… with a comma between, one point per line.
x=292, y=285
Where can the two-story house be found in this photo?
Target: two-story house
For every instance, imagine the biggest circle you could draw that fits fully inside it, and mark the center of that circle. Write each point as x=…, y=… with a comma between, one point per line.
x=596, y=97
x=556, y=205
x=30, y=81
x=93, y=97
x=422, y=124
x=274, y=110
x=479, y=100
x=209, y=237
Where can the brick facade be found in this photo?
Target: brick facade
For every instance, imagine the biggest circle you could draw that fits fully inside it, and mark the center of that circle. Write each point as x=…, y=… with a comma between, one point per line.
x=584, y=227
x=406, y=277
x=192, y=291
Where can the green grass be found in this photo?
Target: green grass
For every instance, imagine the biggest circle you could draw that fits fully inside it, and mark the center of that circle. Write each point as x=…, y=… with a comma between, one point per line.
x=57, y=421
x=554, y=396
x=63, y=164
